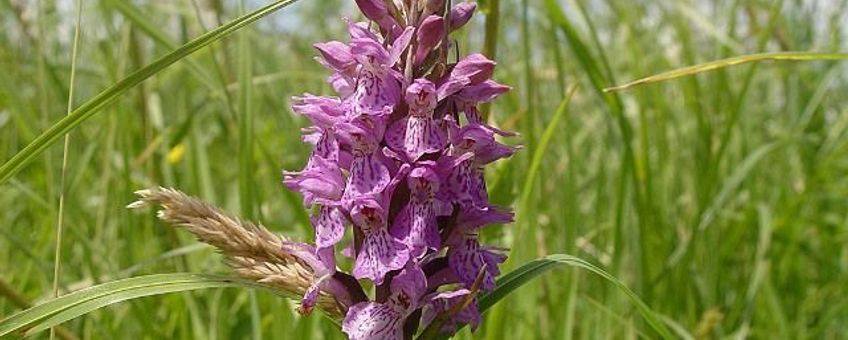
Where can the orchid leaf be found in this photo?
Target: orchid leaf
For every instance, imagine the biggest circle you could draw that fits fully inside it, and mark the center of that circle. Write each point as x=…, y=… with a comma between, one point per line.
x=509, y=283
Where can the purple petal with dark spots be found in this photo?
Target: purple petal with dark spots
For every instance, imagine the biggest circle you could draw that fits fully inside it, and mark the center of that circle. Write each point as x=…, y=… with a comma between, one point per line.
x=368, y=174
x=380, y=252
x=373, y=321
x=407, y=288
x=329, y=224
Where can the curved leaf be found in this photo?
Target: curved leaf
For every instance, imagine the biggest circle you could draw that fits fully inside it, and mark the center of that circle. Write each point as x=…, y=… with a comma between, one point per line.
x=517, y=278
x=722, y=63
x=69, y=306
x=91, y=107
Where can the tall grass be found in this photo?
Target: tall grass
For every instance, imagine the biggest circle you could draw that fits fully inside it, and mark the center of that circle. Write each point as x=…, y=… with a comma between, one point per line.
x=718, y=198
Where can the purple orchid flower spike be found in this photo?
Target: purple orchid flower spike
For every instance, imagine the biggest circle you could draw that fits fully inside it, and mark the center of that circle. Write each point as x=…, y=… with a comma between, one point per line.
x=394, y=161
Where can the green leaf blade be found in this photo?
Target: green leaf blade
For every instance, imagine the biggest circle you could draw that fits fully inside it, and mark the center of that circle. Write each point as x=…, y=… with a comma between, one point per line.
x=728, y=62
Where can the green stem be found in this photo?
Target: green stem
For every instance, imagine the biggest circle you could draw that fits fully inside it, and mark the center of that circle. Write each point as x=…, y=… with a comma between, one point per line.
x=490, y=43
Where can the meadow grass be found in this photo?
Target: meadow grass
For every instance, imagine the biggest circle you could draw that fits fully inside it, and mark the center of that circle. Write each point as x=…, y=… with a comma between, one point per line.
x=719, y=199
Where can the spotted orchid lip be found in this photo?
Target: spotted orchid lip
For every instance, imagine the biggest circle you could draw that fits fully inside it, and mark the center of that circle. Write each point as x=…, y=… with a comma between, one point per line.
x=396, y=165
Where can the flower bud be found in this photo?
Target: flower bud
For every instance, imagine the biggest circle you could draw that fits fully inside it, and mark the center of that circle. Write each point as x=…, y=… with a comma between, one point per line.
x=430, y=33
x=461, y=14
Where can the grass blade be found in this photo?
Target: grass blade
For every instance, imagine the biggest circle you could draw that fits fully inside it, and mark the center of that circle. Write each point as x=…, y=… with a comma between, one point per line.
x=69, y=306
x=728, y=188
x=245, y=135
x=132, y=13
x=91, y=107
x=539, y=153
x=60, y=220
x=728, y=62
x=490, y=40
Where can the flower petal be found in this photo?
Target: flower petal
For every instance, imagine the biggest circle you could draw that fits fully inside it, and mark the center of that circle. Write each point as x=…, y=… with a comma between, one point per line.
x=380, y=254
x=324, y=112
x=369, y=51
x=452, y=86
x=483, y=92
x=322, y=261
x=407, y=288
x=416, y=224
x=359, y=30
x=336, y=55
x=424, y=135
x=480, y=140
x=368, y=174
x=329, y=226
x=465, y=183
x=310, y=298
x=341, y=83
x=321, y=181
x=476, y=67
x=417, y=227
x=373, y=321
x=375, y=93
x=373, y=9
x=465, y=259
x=400, y=44
x=421, y=98
x=473, y=217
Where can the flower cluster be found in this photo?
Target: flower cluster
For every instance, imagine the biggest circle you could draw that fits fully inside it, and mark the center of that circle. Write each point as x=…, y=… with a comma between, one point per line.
x=398, y=160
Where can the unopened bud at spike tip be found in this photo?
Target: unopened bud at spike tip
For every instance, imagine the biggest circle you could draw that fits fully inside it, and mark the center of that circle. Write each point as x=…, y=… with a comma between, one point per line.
x=460, y=14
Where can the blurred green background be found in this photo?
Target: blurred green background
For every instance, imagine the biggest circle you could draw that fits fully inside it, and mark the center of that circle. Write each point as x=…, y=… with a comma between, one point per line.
x=720, y=199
